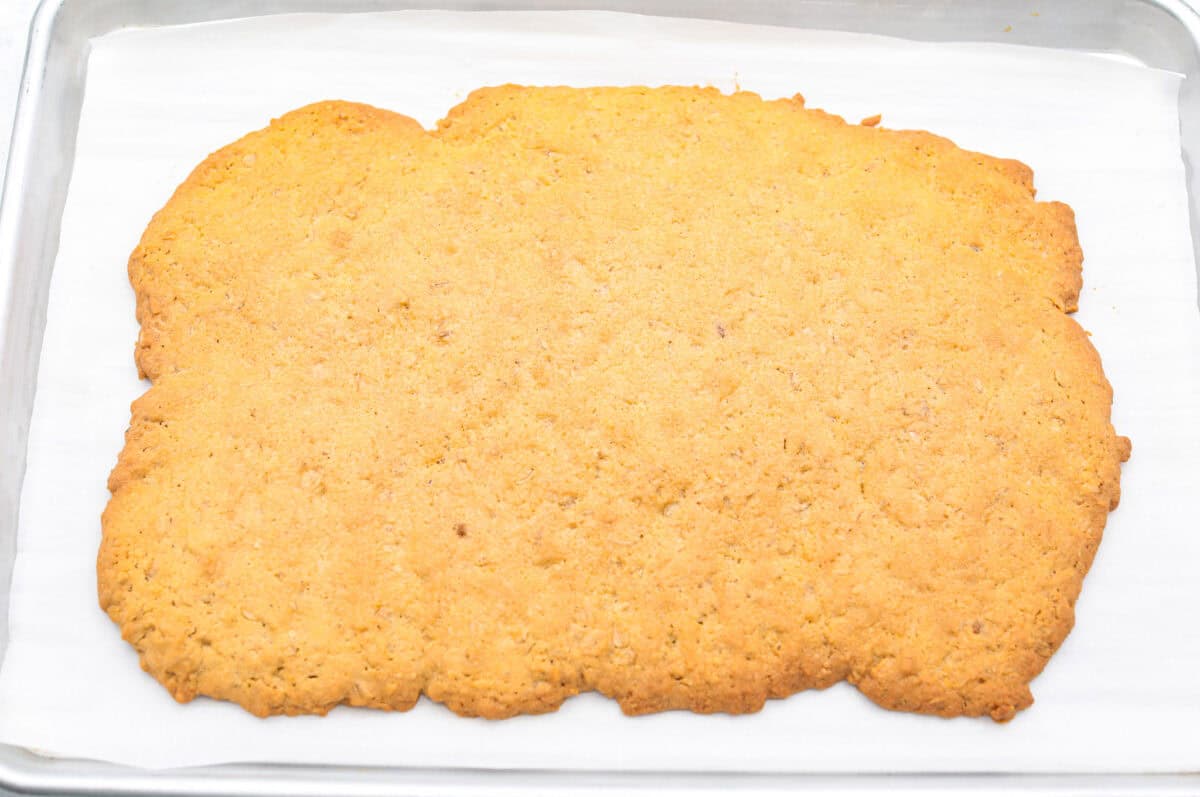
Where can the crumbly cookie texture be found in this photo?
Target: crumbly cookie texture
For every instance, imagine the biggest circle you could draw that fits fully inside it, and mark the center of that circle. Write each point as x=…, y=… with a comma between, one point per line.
x=692, y=399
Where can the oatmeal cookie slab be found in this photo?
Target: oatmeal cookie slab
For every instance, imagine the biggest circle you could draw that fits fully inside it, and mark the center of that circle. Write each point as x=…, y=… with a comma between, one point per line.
x=691, y=399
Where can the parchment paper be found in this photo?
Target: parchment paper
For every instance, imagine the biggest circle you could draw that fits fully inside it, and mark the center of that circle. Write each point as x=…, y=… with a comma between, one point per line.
x=1122, y=694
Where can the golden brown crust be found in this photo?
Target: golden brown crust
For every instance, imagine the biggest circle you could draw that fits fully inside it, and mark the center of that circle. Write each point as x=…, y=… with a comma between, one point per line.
x=692, y=399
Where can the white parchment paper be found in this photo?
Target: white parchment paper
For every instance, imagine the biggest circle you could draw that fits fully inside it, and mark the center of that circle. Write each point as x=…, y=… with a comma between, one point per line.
x=1122, y=694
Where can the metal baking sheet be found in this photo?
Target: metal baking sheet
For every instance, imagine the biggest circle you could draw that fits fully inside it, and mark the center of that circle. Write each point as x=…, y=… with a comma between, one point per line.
x=40, y=177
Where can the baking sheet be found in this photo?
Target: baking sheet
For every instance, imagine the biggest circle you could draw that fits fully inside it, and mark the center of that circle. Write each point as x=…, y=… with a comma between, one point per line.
x=1102, y=135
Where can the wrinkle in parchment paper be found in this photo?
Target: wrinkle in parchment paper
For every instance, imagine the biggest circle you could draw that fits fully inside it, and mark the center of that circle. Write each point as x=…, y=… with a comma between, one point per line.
x=1101, y=135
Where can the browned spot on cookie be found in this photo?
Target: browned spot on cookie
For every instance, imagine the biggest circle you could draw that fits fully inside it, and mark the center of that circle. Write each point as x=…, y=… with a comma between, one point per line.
x=339, y=238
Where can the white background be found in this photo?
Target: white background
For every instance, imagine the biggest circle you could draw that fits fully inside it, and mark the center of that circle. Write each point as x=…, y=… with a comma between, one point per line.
x=1122, y=694
x=14, y=26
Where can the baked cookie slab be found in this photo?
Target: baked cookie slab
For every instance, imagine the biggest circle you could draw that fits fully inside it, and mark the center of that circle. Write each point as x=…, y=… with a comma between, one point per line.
x=692, y=399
